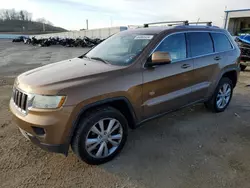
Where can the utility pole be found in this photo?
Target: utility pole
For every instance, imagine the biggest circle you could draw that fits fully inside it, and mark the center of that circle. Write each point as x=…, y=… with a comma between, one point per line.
x=225, y=18
x=87, y=24
x=43, y=27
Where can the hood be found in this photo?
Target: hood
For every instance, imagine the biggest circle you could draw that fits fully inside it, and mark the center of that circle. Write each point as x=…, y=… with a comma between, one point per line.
x=57, y=76
x=245, y=39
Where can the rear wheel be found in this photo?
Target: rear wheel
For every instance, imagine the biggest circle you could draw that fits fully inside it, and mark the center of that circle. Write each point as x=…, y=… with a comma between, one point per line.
x=243, y=67
x=100, y=135
x=222, y=96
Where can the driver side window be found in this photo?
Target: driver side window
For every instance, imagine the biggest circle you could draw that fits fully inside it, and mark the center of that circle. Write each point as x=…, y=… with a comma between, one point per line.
x=175, y=45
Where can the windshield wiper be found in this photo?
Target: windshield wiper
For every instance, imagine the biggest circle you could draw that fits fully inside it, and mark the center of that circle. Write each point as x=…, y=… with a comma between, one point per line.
x=99, y=59
x=83, y=56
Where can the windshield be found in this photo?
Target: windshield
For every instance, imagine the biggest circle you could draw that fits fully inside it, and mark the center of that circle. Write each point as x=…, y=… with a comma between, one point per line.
x=120, y=49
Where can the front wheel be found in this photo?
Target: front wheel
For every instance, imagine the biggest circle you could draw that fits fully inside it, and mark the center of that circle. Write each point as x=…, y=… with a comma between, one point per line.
x=100, y=135
x=222, y=96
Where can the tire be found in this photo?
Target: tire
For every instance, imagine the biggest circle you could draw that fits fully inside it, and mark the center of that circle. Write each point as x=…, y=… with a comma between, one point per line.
x=213, y=103
x=242, y=67
x=86, y=131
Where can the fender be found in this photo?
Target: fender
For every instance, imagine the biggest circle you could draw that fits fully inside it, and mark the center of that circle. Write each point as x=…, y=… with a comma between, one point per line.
x=224, y=71
x=96, y=104
x=237, y=69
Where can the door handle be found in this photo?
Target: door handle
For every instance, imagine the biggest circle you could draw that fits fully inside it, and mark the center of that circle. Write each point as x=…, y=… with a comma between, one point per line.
x=217, y=58
x=184, y=66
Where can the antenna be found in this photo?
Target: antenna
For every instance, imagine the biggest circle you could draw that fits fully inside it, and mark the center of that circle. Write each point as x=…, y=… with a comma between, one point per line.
x=198, y=21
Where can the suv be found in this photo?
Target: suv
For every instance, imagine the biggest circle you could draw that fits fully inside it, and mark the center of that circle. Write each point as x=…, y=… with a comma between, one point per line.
x=89, y=102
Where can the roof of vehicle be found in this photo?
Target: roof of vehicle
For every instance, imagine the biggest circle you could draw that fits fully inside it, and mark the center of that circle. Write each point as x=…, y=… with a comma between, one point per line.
x=149, y=30
x=158, y=29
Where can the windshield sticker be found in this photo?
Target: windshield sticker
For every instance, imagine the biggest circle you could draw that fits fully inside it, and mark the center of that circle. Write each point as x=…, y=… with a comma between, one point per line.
x=144, y=37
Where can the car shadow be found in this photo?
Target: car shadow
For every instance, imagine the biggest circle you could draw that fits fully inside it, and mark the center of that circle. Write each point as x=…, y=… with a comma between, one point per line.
x=163, y=149
x=182, y=147
x=246, y=70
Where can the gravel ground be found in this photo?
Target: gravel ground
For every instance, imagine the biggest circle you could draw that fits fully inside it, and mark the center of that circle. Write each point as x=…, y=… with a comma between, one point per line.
x=186, y=149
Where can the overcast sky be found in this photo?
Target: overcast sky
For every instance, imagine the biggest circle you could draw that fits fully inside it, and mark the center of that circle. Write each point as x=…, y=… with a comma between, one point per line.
x=71, y=14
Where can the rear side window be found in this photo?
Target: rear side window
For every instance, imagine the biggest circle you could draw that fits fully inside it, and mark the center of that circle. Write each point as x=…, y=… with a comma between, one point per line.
x=200, y=43
x=221, y=42
x=175, y=45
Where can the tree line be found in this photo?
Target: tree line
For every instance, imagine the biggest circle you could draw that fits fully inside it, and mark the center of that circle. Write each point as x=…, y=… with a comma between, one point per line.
x=22, y=15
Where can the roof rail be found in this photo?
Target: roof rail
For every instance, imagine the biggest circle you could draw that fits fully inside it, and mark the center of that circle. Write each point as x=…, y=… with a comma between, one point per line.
x=185, y=22
x=196, y=23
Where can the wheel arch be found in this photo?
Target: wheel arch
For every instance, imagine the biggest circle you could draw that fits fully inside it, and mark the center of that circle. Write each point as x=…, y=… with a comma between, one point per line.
x=230, y=72
x=120, y=103
x=232, y=75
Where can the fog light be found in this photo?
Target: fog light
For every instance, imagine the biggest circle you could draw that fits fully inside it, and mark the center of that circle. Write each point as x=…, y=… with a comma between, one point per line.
x=39, y=131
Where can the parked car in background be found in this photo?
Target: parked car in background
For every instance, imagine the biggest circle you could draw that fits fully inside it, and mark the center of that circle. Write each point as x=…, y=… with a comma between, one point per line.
x=244, y=43
x=89, y=102
x=20, y=39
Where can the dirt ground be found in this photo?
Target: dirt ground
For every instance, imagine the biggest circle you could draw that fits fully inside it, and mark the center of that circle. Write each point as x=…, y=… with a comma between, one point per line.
x=191, y=148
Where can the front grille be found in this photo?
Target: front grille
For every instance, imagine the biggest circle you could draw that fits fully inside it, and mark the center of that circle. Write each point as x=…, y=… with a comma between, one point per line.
x=20, y=100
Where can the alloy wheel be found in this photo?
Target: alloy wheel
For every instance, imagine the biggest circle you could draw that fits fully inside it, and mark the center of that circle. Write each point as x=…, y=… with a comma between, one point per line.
x=104, y=138
x=223, y=96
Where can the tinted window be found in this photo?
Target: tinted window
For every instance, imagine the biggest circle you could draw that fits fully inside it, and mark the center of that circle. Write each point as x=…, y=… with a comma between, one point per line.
x=221, y=42
x=200, y=43
x=121, y=48
x=175, y=45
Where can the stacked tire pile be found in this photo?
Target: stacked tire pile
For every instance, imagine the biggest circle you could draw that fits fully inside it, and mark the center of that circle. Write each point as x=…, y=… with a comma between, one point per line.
x=68, y=42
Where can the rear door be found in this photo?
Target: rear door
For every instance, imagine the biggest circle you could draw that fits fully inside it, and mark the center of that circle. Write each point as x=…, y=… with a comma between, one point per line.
x=167, y=87
x=223, y=49
x=206, y=63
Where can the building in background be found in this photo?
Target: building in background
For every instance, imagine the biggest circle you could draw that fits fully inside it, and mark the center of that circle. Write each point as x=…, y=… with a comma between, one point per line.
x=237, y=21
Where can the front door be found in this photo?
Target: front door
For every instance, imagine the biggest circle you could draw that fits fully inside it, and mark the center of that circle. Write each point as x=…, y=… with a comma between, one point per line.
x=168, y=87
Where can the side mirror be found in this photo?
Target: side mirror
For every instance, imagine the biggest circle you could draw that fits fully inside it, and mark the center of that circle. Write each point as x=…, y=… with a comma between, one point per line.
x=160, y=58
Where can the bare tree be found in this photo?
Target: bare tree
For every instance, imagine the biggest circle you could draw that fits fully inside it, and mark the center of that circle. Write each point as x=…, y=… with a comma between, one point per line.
x=12, y=14
x=21, y=15
x=6, y=15
x=29, y=16
x=43, y=20
x=1, y=14
x=49, y=23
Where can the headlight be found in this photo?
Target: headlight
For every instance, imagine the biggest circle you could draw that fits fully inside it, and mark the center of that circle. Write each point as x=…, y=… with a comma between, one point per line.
x=47, y=102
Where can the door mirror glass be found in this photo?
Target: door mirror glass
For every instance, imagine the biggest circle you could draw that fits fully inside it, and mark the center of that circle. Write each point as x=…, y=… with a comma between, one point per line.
x=160, y=58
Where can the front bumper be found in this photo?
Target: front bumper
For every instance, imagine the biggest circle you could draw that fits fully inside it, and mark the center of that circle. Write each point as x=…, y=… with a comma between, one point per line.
x=55, y=123
x=56, y=148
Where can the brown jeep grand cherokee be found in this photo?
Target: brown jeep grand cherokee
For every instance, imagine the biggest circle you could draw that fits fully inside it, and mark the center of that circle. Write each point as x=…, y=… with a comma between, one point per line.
x=89, y=102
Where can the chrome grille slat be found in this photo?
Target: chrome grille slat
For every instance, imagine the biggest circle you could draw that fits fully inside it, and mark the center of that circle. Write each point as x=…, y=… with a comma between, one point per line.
x=13, y=95
x=20, y=100
x=16, y=93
